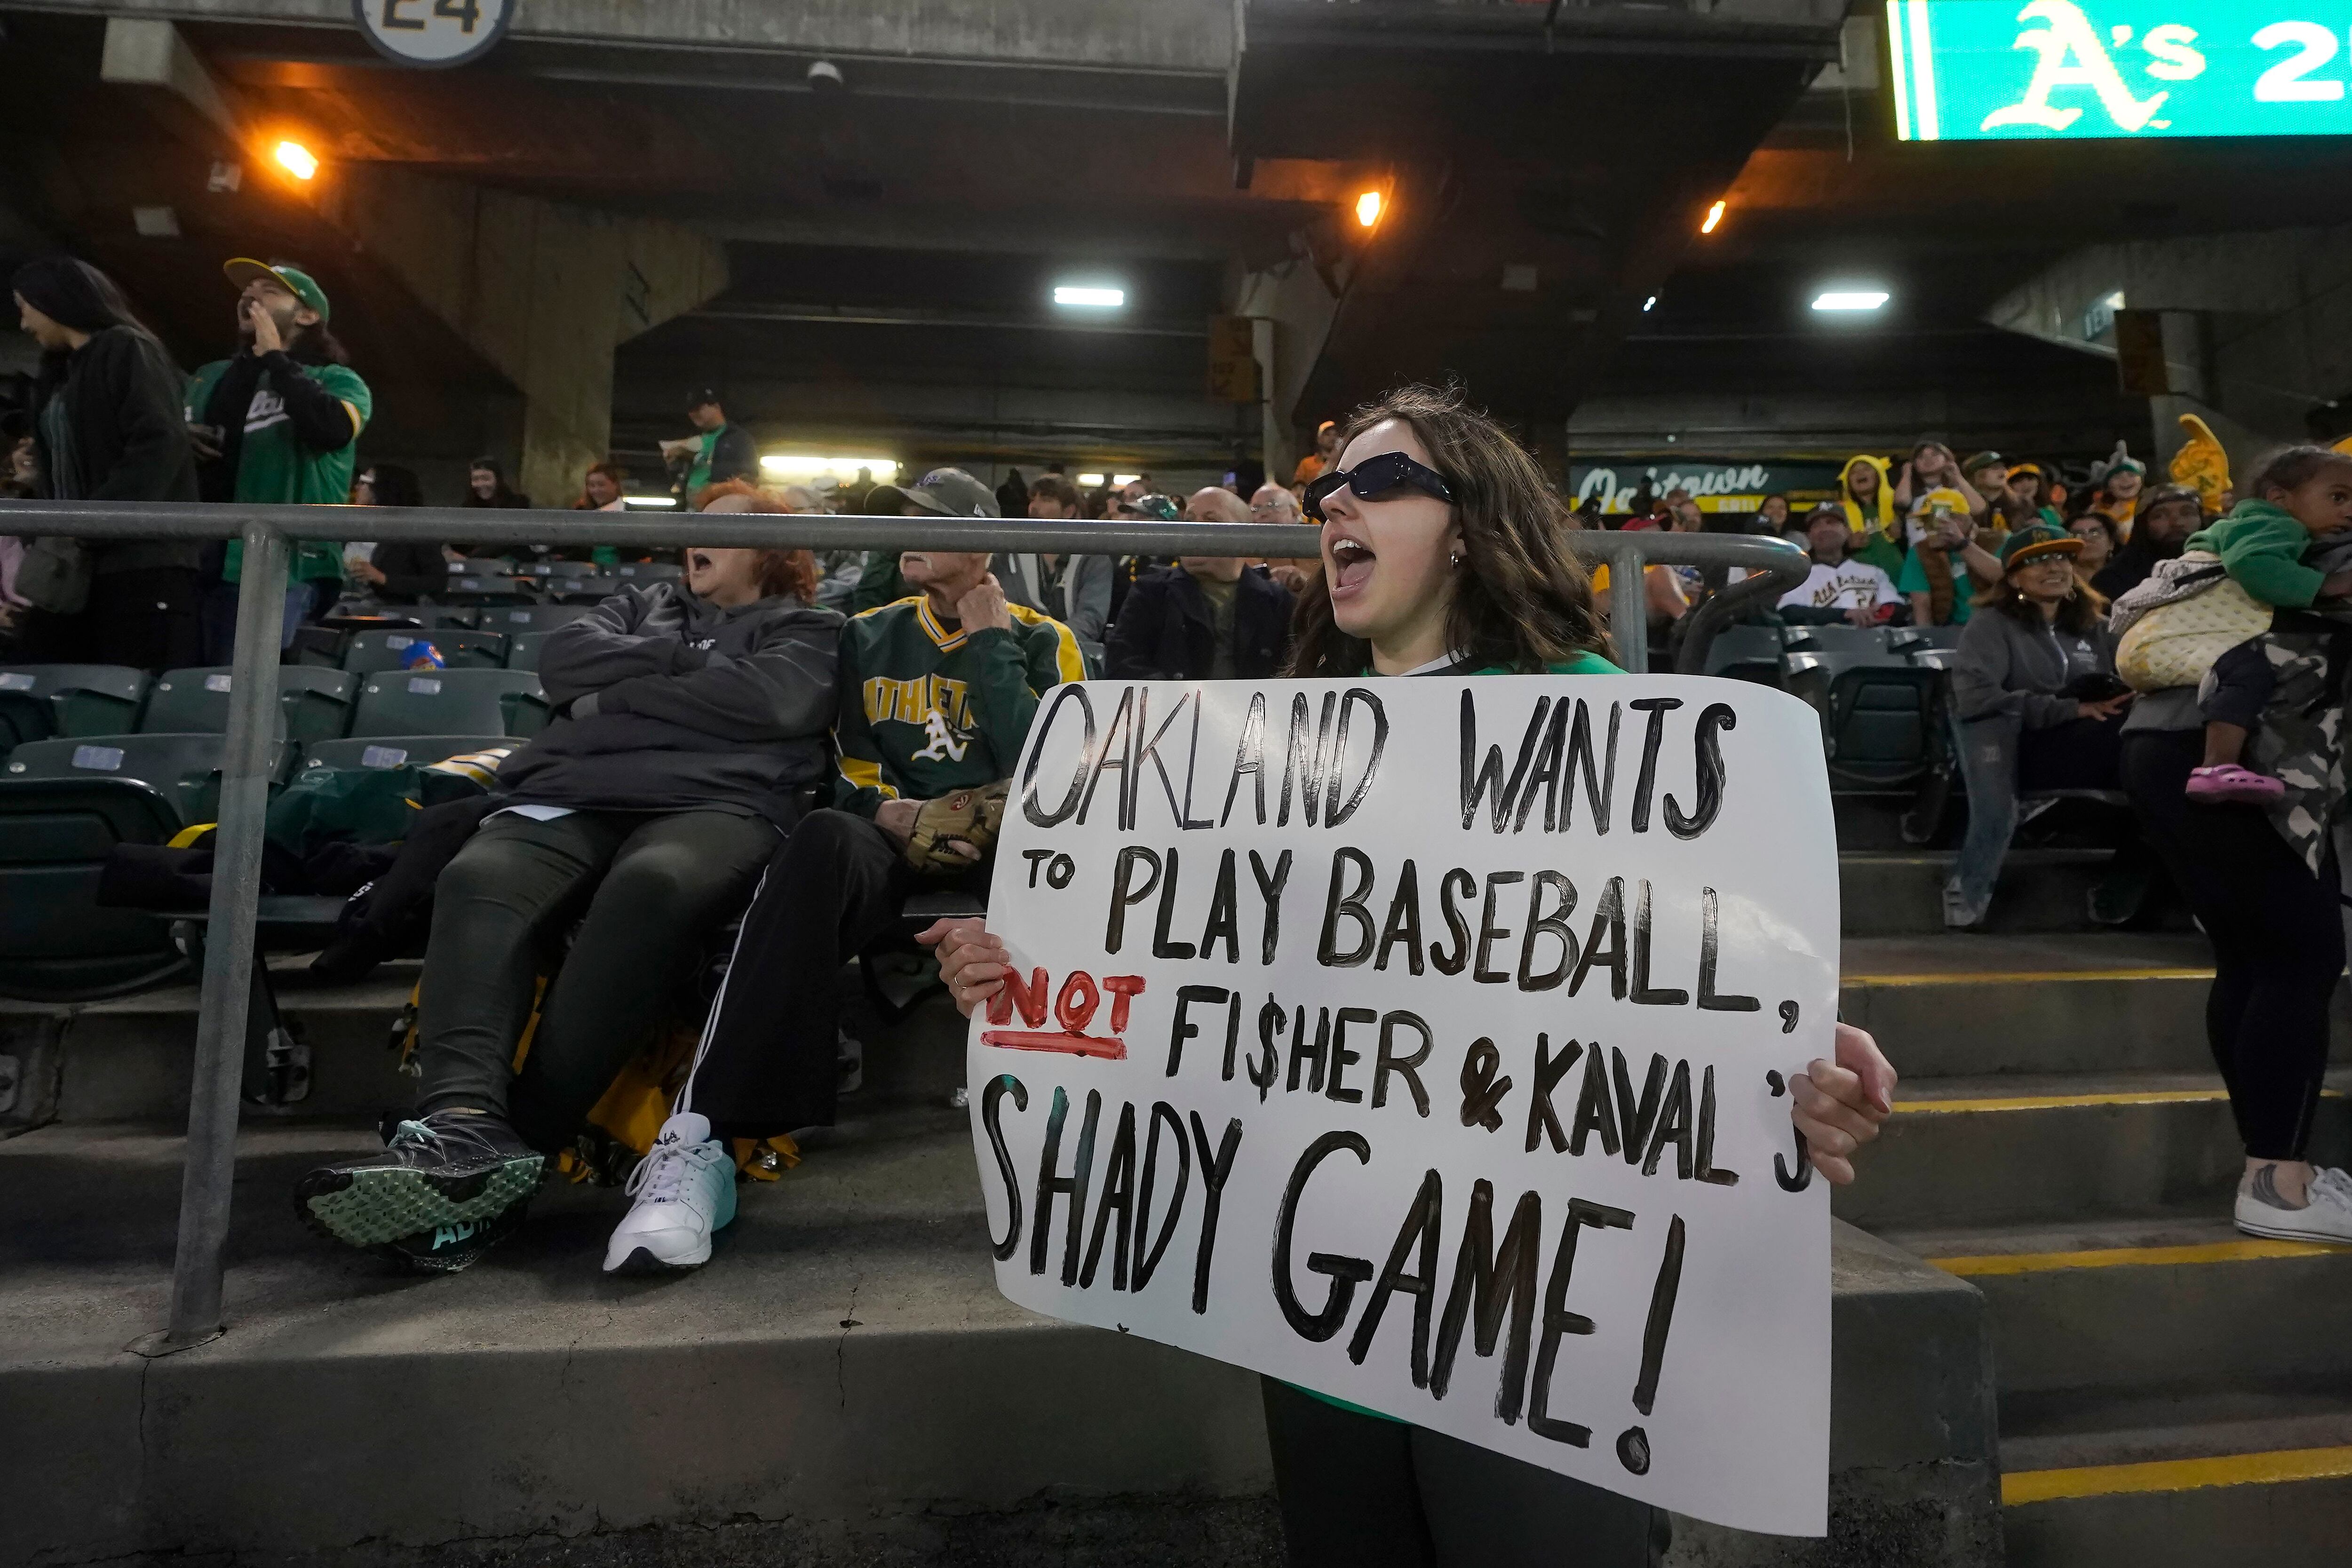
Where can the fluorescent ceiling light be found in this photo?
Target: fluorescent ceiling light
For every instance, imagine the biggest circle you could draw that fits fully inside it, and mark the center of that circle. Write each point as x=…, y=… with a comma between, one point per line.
x=1368, y=208
x=786, y=465
x=1096, y=299
x=650, y=500
x=296, y=160
x=1649, y=304
x=1090, y=481
x=1714, y=218
x=1852, y=300
x=1125, y=479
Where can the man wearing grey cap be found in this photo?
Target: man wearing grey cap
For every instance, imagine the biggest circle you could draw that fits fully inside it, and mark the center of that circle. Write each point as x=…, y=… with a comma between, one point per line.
x=942, y=492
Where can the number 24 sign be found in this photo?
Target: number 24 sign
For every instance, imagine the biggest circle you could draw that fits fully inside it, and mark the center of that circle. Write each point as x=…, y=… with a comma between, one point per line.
x=434, y=34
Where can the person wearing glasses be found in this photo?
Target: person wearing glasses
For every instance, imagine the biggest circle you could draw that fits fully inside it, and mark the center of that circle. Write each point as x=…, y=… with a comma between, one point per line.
x=1443, y=554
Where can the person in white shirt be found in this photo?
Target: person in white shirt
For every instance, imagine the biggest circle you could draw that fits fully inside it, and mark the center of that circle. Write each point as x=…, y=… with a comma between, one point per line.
x=1861, y=592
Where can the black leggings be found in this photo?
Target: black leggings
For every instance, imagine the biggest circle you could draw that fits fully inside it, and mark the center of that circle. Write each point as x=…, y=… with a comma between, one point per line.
x=1357, y=1491
x=2277, y=935
x=653, y=888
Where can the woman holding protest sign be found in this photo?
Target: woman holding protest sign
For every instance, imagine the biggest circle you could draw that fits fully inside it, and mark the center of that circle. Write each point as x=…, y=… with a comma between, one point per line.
x=1443, y=554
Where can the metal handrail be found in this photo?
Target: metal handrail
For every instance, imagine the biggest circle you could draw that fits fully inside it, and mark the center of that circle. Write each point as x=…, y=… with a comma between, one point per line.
x=1773, y=565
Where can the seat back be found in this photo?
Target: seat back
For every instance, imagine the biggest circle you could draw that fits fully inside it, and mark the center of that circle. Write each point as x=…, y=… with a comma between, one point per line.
x=77, y=700
x=477, y=588
x=55, y=943
x=316, y=704
x=522, y=649
x=522, y=620
x=394, y=751
x=1745, y=653
x=641, y=572
x=372, y=652
x=1880, y=714
x=183, y=768
x=585, y=591
x=449, y=702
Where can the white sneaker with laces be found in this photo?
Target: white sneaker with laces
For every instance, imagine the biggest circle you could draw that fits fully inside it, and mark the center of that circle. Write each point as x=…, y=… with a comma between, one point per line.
x=685, y=1188
x=2326, y=1218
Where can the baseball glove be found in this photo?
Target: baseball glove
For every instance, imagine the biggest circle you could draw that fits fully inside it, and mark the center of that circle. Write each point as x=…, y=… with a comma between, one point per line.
x=969, y=817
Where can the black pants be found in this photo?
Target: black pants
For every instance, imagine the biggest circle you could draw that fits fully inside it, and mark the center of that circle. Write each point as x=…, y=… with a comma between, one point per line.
x=2081, y=753
x=768, y=1057
x=2242, y=683
x=144, y=618
x=2278, y=940
x=1361, y=1492
x=654, y=887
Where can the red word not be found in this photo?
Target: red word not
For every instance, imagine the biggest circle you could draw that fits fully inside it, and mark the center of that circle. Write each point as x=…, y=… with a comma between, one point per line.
x=1074, y=1006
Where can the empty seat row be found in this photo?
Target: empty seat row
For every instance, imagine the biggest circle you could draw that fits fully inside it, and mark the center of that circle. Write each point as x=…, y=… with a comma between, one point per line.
x=42, y=701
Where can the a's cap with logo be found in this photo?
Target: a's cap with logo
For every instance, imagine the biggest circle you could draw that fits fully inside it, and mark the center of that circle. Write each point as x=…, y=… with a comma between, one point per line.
x=244, y=270
x=950, y=492
x=1160, y=507
x=2033, y=542
x=703, y=397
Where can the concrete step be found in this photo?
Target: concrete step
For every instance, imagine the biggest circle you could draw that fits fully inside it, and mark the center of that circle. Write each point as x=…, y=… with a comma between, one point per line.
x=1901, y=892
x=1988, y=1151
x=845, y=1365
x=2128, y=1305
x=2181, y=1476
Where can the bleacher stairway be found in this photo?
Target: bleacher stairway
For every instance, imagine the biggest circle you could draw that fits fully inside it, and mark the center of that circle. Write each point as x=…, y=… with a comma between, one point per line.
x=844, y=1384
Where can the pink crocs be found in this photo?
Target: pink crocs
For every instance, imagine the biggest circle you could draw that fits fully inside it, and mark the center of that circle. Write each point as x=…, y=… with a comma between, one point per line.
x=2230, y=784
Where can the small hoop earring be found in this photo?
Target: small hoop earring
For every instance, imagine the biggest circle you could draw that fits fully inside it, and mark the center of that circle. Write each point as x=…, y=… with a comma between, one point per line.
x=1454, y=560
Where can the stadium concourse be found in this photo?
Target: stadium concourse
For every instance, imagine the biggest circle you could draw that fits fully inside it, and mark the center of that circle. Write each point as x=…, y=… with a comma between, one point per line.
x=584, y=503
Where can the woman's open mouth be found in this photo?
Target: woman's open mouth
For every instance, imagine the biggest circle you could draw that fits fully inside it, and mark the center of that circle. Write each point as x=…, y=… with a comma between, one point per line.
x=698, y=561
x=1351, y=566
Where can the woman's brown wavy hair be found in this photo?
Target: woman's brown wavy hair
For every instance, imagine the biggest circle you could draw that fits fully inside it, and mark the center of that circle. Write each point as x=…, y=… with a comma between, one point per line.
x=1521, y=600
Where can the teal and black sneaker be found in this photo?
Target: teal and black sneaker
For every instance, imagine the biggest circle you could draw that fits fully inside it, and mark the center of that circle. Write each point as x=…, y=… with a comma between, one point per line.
x=450, y=1169
x=447, y=1248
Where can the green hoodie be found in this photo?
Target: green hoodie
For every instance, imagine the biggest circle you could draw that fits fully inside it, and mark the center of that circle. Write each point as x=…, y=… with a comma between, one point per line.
x=2261, y=546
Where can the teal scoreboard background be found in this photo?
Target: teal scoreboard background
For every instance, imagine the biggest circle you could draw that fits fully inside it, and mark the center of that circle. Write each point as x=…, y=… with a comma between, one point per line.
x=1971, y=70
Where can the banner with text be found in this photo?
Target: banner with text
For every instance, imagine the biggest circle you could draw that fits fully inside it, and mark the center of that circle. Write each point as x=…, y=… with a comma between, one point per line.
x=1425, y=1044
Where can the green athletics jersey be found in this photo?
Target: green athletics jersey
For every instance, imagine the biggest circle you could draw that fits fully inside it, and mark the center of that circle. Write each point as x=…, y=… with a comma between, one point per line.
x=927, y=707
x=273, y=466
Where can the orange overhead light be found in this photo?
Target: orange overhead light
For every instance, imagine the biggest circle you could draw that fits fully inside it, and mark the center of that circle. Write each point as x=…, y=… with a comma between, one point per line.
x=296, y=159
x=1714, y=218
x=1368, y=208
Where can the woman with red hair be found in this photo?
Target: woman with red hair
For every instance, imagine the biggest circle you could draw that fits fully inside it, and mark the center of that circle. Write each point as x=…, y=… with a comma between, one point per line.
x=691, y=719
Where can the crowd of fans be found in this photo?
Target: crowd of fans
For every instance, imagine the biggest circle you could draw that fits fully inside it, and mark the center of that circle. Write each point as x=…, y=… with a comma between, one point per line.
x=770, y=729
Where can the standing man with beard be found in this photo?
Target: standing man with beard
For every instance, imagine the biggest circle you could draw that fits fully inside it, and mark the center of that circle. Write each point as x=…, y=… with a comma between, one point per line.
x=276, y=423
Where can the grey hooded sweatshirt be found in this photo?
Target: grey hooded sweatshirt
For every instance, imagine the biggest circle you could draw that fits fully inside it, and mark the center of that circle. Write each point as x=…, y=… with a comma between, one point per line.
x=2013, y=670
x=668, y=703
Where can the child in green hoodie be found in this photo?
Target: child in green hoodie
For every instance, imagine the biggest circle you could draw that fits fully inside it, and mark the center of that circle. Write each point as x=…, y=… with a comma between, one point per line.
x=2298, y=496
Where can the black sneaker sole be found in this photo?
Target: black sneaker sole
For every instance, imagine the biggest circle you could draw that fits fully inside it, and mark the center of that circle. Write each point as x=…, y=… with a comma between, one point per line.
x=643, y=1262
x=447, y=1249
x=375, y=1205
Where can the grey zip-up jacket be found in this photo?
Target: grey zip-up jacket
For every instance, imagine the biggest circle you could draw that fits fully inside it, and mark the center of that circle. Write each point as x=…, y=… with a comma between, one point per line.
x=670, y=703
x=2009, y=668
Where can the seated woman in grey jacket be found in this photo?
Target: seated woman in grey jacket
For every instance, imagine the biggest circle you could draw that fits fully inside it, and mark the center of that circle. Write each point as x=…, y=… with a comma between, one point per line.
x=2039, y=704
x=691, y=715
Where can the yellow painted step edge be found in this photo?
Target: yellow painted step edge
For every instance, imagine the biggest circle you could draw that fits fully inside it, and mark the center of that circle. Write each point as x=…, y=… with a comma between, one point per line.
x=2067, y=1102
x=2176, y=1475
x=2241, y=1251
x=2024, y=977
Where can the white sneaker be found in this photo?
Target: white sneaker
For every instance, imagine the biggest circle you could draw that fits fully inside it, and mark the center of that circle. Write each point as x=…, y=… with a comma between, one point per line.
x=685, y=1189
x=2327, y=1217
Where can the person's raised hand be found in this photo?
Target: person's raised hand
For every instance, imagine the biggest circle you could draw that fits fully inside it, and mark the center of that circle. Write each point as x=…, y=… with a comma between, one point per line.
x=266, y=340
x=983, y=607
x=972, y=960
x=1839, y=1106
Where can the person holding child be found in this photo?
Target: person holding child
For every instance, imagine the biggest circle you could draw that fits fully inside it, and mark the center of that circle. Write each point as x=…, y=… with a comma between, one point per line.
x=2264, y=884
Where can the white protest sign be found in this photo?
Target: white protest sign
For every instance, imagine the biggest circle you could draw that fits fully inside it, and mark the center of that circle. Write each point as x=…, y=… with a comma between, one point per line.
x=1424, y=1043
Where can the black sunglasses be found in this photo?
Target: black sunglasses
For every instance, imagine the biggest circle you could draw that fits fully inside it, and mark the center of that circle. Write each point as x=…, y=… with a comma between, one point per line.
x=1377, y=478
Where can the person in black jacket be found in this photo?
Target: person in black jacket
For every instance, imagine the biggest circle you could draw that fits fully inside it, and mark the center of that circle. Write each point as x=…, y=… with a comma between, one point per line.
x=1204, y=618
x=691, y=718
x=108, y=428
x=401, y=571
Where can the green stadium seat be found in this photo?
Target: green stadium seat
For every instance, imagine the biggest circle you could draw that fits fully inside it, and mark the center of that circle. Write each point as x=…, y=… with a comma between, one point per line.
x=449, y=702
x=522, y=649
x=1881, y=723
x=55, y=943
x=37, y=700
x=474, y=588
x=382, y=650
x=521, y=620
x=586, y=591
x=640, y=573
x=183, y=768
x=316, y=703
x=394, y=751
